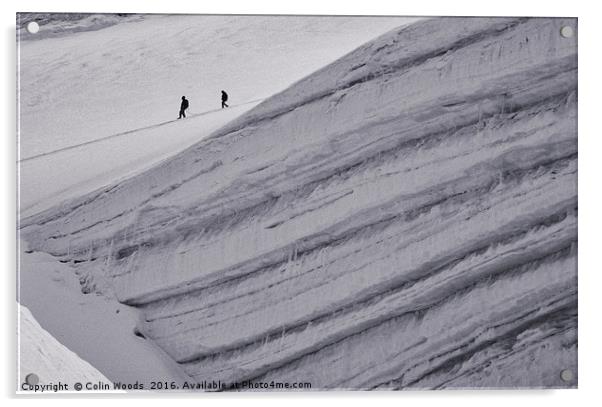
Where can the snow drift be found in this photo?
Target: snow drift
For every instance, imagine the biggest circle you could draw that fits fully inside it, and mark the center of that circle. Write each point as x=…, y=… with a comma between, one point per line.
x=406, y=217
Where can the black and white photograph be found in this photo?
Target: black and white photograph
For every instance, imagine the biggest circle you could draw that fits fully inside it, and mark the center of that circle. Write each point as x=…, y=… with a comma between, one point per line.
x=296, y=203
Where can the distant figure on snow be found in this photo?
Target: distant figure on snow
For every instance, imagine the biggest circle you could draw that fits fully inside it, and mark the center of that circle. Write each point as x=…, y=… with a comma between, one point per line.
x=183, y=107
x=224, y=99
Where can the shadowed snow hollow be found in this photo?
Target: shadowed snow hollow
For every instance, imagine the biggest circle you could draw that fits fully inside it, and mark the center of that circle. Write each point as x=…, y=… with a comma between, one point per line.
x=406, y=217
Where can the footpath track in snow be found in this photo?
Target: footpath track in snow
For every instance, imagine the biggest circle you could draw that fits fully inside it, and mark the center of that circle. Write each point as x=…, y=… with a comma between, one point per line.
x=128, y=132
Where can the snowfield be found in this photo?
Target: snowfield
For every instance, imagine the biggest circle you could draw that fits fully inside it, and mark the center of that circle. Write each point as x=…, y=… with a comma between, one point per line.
x=95, y=85
x=403, y=218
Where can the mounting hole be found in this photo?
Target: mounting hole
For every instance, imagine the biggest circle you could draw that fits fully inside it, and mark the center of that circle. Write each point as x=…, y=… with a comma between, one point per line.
x=566, y=31
x=33, y=27
x=32, y=379
x=566, y=375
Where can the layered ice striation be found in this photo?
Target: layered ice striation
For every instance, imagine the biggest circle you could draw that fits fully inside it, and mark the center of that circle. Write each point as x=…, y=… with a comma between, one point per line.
x=405, y=217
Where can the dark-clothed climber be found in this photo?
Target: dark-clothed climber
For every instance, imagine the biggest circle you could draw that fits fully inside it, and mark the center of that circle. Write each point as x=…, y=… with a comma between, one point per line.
x=224, y=99
x=183, y=107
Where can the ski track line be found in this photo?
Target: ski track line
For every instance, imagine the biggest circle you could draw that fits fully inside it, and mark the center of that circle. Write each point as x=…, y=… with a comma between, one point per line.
x=33, y=157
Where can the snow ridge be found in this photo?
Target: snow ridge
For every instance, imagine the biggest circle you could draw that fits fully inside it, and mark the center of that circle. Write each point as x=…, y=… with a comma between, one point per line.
x=406, y=217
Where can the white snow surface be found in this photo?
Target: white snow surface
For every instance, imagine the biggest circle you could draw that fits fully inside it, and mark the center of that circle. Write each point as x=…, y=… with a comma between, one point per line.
x=41, y=354
x=405, y=217
x=129, y=77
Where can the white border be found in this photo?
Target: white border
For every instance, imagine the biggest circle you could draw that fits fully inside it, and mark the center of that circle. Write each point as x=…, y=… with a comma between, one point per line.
x=590, y=158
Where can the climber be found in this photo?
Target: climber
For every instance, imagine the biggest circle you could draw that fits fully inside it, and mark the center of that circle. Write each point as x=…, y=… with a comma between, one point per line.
x=183, y=107
x=224, y=99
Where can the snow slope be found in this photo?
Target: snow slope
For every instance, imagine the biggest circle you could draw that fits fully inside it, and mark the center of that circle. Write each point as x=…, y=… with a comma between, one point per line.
x=54, y=176
x=40, y=353
x=99, y=329
x=405, y=217
x=93, y=85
